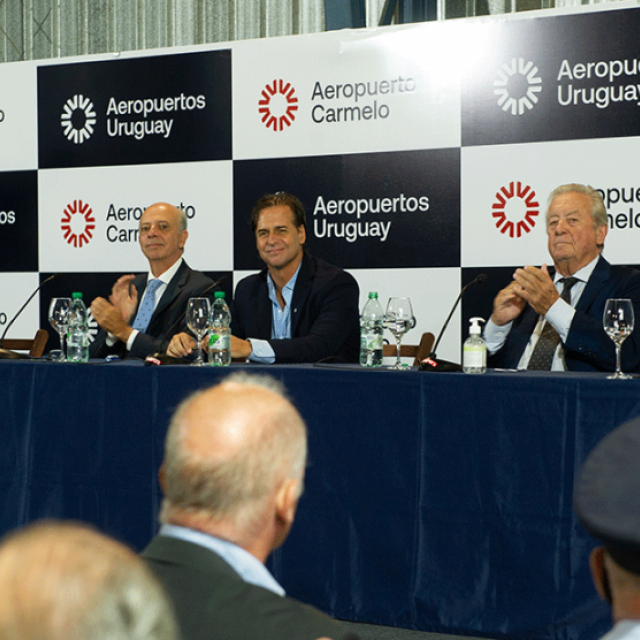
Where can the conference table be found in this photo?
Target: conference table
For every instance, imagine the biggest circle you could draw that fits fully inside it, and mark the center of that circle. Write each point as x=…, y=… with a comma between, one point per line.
x=433, y=501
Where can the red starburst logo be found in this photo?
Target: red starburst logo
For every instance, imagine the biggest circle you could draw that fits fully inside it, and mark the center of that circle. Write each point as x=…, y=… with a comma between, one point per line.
x=515, y=209
x=278, y=105
x=78, y=223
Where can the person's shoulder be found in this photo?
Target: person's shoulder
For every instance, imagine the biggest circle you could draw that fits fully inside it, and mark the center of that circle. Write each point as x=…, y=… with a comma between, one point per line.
x=323, y=270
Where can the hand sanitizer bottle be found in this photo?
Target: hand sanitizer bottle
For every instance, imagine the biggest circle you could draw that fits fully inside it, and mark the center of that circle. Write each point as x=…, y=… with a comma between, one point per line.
x=474, y=351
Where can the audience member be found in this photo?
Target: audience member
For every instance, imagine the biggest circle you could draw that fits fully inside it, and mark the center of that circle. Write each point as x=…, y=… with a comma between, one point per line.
x=607, y=502
x=232, y=474
x=65, y=581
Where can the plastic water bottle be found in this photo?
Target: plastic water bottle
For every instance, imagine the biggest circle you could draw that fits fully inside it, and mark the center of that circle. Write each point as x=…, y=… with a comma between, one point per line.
x=371, y=330
x=474, y=351
x=78, y=336
x=220, y=333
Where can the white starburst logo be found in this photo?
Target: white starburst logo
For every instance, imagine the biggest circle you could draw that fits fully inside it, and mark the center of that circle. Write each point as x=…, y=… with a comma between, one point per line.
x=517, y=86
x=78, y=118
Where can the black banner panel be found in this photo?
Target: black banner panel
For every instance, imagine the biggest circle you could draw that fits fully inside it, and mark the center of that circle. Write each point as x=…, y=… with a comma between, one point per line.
x=19, y=221
x=139, y=111
x=571, y=77
x=382, y=210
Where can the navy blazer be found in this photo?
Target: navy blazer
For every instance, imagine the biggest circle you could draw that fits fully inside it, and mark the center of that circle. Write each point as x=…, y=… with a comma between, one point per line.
x=166, y=320
x=588, y=348
x=212, y=602
x=324, y=316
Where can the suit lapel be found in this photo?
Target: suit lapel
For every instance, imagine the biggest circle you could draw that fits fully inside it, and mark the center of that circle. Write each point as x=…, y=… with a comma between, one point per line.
x=601, y=273
x=175, y=286
x=301, y=291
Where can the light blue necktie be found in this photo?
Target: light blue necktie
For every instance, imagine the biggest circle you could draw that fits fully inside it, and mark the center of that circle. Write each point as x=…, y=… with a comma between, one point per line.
x=146, y=308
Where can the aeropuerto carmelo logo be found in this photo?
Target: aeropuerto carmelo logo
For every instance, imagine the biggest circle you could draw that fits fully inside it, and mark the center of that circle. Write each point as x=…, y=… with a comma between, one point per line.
x=517, y=86
x=278, y=105
x=78, y=119
x=78, y=223
x=515, y=209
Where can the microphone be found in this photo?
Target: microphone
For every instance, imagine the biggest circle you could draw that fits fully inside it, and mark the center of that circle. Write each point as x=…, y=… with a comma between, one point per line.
x=55, y=276
x=431, y=362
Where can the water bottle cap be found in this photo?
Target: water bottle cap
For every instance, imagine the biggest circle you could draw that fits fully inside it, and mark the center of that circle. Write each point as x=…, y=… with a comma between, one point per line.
x=373, y=294
x=76, y=294
x=218, y=294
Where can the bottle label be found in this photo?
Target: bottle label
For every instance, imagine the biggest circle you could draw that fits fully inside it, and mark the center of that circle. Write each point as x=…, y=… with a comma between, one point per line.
x=475, y=356
x=220, y=342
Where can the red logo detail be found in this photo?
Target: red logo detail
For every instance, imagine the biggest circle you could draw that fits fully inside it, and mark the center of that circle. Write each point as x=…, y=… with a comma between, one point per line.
x=278, y=115
x=528, y=203
x=69, y=222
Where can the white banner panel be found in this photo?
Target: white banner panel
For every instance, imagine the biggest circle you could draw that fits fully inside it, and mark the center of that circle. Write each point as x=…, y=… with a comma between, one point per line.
x=505, y=191
x=16, y=288
x=18, y=117
x=346, y=92
x=89, y=217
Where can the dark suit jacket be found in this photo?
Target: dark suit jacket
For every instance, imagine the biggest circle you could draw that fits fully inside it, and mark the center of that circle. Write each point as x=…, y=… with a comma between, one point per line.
x=324, y=316
x=212, y=602
x=588, y=348
x=185, y=284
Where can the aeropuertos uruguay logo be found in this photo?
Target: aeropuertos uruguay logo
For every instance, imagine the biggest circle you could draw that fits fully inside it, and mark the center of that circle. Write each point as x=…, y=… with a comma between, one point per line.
x=278, y=105
x=78, y=119
x=517, y=86
x=78, y=223
x=515, y=209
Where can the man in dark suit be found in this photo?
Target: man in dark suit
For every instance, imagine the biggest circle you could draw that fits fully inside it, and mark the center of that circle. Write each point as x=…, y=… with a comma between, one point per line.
x=299, y=308
x=530, y=316
x=129, y=330
x=232, y=475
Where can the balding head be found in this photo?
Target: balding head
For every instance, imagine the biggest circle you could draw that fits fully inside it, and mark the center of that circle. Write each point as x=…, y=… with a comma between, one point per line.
x=229, y=451
x=64, y=580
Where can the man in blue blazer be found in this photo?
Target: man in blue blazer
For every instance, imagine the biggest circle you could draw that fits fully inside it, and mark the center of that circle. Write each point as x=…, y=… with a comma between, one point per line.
x=299, y=308
x=576, y=227
x=129, y=329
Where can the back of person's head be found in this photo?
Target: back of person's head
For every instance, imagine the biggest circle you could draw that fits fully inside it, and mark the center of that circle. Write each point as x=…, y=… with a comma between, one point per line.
x=66, y=581
x=228, y=450
x=607, y=502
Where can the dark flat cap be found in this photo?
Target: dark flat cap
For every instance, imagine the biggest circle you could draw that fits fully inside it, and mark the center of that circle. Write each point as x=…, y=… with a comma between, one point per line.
x=607, y=494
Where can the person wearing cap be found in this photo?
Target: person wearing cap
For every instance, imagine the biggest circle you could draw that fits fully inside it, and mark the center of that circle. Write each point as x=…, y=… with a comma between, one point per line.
x=551, y=318
x=299, y=308
x=607, y=501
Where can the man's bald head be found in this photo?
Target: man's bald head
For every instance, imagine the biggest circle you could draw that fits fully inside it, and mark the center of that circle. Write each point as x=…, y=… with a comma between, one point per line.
x=228, y=451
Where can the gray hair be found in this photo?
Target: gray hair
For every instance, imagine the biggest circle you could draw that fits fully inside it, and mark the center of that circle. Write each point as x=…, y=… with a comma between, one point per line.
x=182, y=220
x=598, y=210
x=64, y=581
x=236, y=487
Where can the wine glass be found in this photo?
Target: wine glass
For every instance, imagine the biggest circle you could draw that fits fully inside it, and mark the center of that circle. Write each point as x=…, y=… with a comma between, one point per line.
x=399, y=319
x=198, y=310
x=59, y=320
x=618, y=324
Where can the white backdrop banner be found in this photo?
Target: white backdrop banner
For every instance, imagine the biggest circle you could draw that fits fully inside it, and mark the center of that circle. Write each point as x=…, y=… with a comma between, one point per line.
x=424, y=154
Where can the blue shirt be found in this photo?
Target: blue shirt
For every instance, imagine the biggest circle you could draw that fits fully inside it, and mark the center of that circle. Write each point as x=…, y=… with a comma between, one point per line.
x=262, y=351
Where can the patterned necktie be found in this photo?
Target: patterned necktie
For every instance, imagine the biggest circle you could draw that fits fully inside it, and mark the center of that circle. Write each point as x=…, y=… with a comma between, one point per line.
x=146, y=308
x=542, y=355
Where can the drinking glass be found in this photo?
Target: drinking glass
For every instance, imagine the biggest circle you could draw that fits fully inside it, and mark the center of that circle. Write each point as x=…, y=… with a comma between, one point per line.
x=59, y=320
x=198, y=311
x=399, y=319
x=618, y=323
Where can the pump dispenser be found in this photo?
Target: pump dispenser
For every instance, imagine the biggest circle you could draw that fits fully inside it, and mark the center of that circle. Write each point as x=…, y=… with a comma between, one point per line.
x=474, y=351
